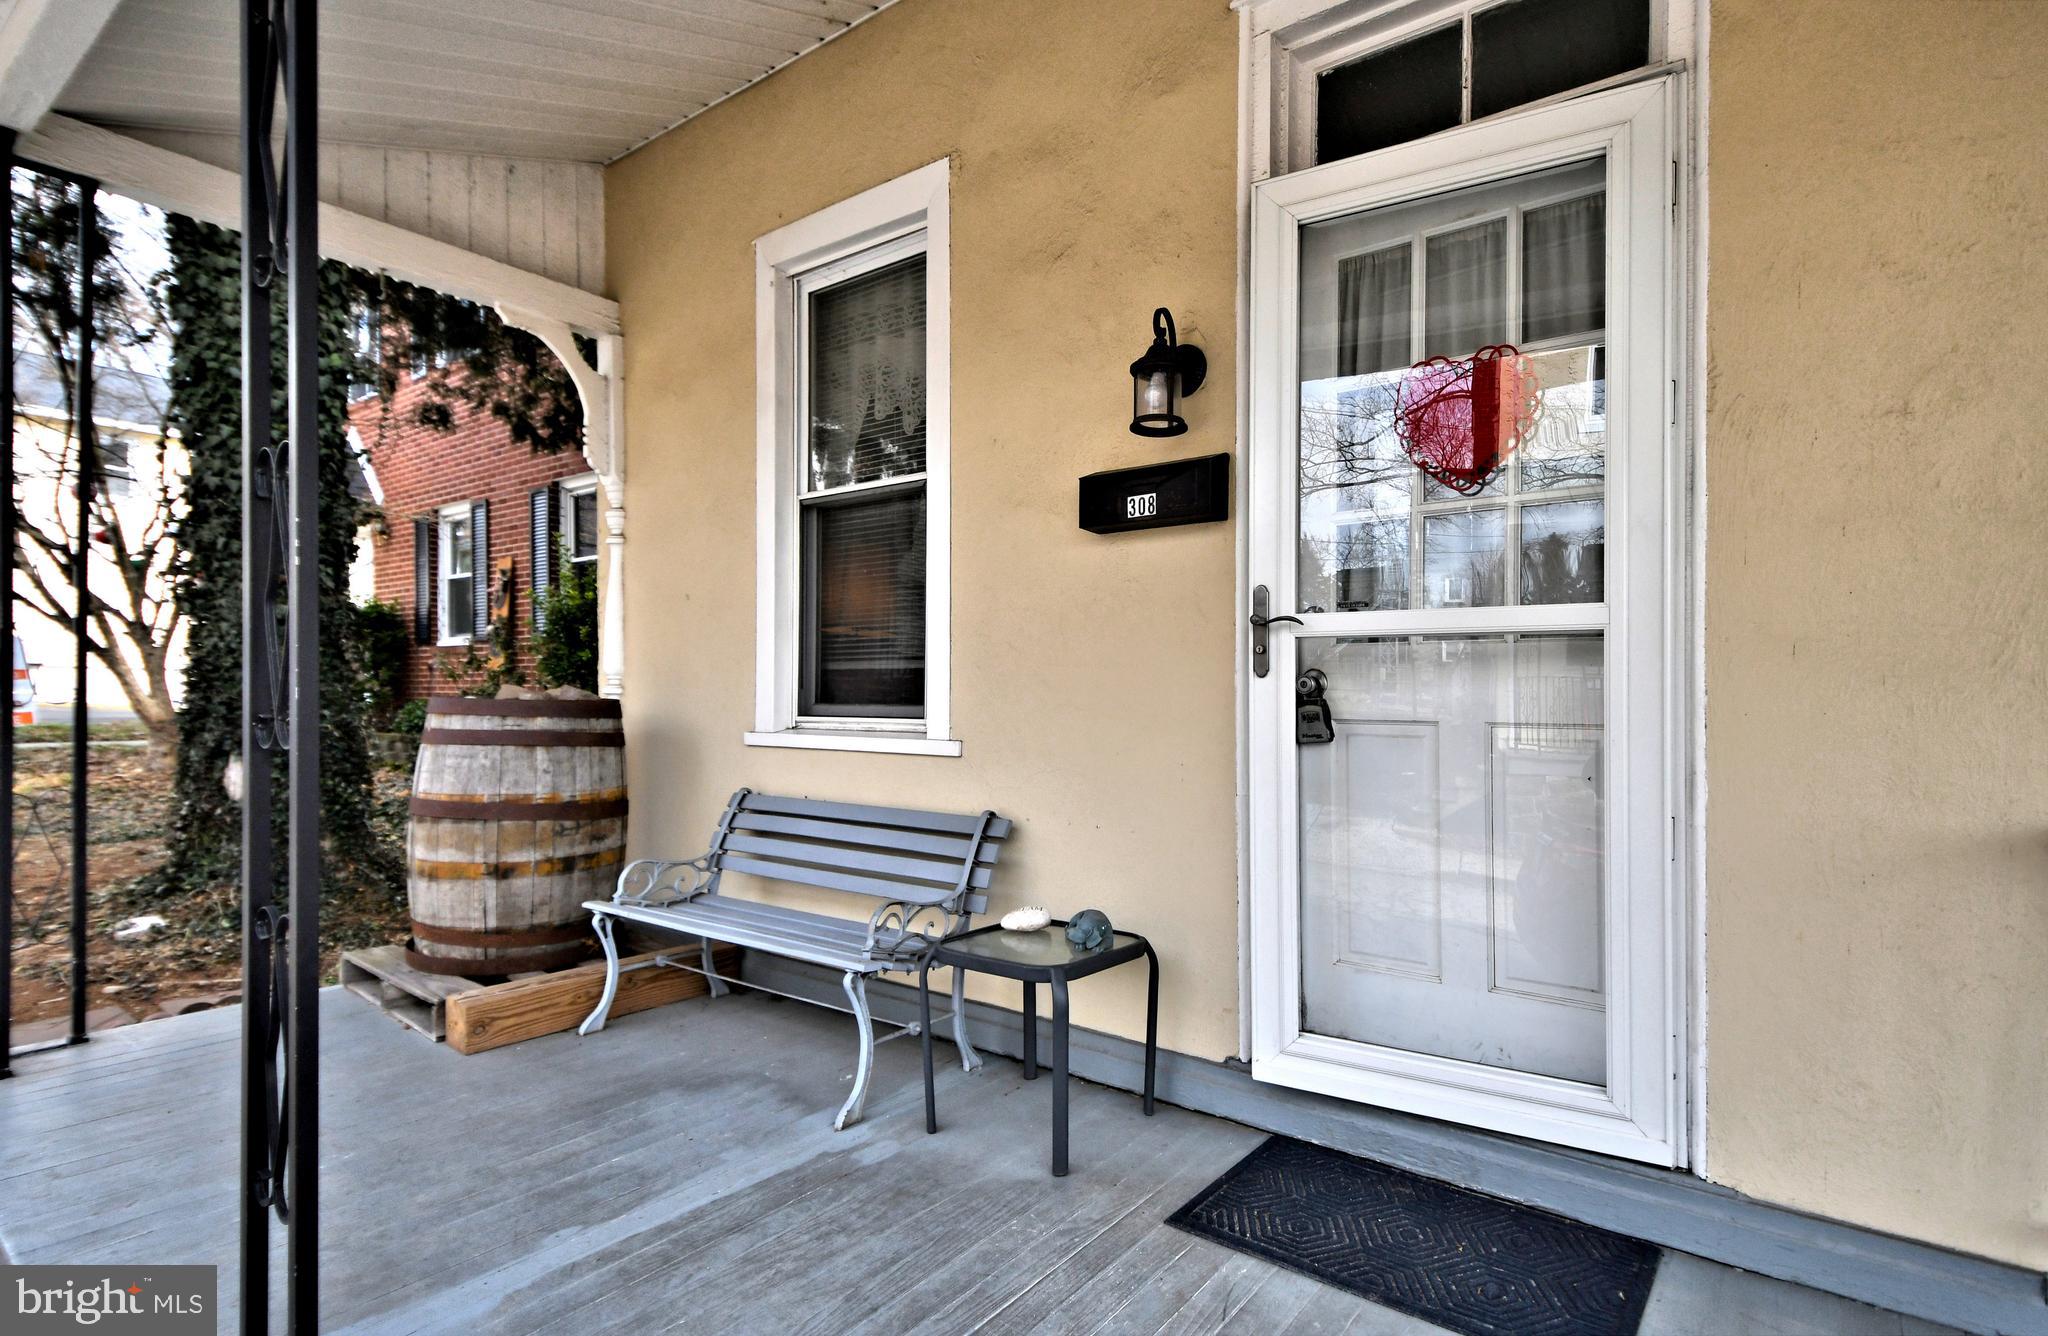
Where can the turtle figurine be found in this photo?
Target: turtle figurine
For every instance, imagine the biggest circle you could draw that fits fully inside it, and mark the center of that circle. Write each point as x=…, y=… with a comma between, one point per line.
x=1089, y=930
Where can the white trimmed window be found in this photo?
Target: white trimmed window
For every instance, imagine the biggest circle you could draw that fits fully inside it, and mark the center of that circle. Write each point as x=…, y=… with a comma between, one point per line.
x=579, y=518
x=456, y=578
x=853, y=495
x=366, y=339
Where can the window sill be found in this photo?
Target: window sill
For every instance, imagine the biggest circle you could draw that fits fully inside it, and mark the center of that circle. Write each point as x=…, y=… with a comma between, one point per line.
x=459, y=642
x=855, y=740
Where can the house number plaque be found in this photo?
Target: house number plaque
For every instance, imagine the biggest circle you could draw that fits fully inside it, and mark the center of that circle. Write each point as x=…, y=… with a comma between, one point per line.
x=1155, y=496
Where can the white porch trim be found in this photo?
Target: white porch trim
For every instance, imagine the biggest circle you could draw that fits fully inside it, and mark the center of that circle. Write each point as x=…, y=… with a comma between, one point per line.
x=213, y=194
x=42, y=44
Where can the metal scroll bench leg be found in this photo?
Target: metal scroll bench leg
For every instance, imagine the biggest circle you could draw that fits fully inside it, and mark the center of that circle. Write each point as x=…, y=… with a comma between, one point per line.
x=601, y=924
x=716, y=984
x=856, y=985
x=969, y=1059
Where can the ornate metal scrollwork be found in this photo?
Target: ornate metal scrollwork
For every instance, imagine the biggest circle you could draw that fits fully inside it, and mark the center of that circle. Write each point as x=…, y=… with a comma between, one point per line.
x=273, y=35
x=272, y=649
x=272, y=927
x=656, y=882
x=908, y=931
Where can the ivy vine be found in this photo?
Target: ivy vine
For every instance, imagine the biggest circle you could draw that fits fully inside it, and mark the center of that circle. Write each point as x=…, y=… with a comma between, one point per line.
x=204, y=303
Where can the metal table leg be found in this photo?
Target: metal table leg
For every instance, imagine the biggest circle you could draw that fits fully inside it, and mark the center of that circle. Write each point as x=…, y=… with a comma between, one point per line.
x=1059, y=1074
x=1151, y=1024
x=1030, y=1030
x=924, y=1030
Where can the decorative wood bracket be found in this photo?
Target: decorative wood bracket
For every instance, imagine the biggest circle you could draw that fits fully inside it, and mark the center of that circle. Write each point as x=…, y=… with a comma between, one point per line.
x=602, y=392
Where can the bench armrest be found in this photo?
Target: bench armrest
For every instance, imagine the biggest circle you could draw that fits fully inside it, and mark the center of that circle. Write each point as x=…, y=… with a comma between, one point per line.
x=895, y=921
x=659, y=881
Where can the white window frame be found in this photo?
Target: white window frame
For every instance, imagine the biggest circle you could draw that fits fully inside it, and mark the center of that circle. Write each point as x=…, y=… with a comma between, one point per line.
x=446, y=516
x=1293, y=41
x=565, y=523
x=883, y=222
x=366, y=335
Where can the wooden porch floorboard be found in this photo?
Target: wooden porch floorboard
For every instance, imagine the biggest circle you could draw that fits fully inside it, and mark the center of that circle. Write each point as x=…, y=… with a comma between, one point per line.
x=679, y=1172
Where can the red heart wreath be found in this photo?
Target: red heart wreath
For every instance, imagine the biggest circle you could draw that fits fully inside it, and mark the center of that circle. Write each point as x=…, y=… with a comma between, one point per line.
x=1459, y=420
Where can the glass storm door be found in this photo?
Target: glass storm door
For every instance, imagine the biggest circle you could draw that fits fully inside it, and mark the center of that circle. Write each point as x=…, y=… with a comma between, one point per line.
x=1464, y=891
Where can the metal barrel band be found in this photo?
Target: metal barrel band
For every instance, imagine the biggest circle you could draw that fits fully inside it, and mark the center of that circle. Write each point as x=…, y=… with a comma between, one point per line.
x=480, y=937
x=519, y=737
x=452, y=869
x=458, y=808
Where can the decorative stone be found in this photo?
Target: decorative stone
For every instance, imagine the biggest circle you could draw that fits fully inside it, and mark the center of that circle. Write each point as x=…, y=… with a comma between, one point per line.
x=1090, y=930
x=1028, y=919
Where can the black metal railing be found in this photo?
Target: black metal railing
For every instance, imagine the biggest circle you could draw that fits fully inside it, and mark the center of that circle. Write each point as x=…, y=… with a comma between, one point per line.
x=7, y=619
x=86, y=477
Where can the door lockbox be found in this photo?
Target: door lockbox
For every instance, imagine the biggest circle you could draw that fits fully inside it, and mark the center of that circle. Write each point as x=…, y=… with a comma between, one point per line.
x=1311, y=712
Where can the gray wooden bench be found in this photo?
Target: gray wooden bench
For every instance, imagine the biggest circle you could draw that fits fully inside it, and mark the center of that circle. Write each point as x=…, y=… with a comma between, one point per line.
x=929, y=870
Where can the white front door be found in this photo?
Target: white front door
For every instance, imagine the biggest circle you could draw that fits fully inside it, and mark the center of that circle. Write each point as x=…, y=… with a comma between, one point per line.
x=1464, y=754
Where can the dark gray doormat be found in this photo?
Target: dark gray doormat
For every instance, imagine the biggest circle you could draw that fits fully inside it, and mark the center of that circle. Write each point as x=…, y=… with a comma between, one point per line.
x=1462, y=1260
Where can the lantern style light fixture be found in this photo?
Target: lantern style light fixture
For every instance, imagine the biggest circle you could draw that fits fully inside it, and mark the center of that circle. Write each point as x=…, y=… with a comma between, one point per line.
x=1167, y=372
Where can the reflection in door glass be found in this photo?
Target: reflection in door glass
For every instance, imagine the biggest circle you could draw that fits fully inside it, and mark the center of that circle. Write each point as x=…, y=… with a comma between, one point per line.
x=1452, y=887
x=1381, y=290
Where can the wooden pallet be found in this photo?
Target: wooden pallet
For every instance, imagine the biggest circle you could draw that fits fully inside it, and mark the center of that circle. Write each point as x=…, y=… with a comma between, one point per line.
x=411, y=997
x=473, y=1016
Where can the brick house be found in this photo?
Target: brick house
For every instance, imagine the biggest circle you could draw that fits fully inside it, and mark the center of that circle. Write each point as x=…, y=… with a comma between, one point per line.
x=464, y=513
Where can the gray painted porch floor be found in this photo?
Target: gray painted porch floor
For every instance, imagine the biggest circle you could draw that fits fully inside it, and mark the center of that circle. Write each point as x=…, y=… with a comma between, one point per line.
x=679, y=1172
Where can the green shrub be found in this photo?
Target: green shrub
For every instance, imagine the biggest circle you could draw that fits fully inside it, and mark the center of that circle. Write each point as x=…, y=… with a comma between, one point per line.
x=411, y=718
x=565, y=649
x=385, y=638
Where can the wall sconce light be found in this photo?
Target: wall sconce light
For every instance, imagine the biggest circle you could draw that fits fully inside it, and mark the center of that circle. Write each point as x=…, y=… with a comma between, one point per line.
x=1168, y=371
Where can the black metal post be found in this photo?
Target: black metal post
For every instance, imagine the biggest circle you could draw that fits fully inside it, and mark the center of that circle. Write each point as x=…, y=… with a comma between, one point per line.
x=85, y=436
x=280, y=682
x=7, y=613
x=259, y=1041
x=302, y=1102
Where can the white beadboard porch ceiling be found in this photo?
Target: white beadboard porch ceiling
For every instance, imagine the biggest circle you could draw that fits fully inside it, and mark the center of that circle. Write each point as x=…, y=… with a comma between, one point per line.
x=568, y=80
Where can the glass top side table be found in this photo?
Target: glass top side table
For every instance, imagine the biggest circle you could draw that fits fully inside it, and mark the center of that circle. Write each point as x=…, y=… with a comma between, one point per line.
x=1040, y=956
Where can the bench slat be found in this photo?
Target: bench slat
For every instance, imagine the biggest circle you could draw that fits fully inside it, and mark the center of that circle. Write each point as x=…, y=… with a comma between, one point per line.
x=775, y=941
x=945, y=875
x=713, y=911
x=905, y=817
x=882, y=888
x=821, y=925
x=877, y=837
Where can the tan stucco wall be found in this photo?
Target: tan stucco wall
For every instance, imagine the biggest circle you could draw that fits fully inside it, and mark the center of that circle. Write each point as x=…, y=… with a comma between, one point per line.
x=1877, y=575
x=1092, y=179
x=1878, y=825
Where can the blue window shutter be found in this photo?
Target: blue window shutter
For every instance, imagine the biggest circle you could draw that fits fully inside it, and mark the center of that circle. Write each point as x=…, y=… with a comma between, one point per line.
x=423, y=582
x=480, y=565
x=542, y=507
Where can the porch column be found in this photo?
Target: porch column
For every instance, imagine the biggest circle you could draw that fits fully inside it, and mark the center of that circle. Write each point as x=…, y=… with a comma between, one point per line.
x=611, y=608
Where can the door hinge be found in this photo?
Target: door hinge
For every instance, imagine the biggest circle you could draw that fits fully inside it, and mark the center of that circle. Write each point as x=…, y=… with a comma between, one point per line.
x=1674, y=190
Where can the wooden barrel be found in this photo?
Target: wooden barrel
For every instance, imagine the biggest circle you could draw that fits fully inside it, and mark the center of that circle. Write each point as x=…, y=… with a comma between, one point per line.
x=518, y=817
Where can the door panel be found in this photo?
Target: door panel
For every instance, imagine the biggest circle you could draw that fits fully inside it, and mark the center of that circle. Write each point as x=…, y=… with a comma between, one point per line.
x=1450, y=879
